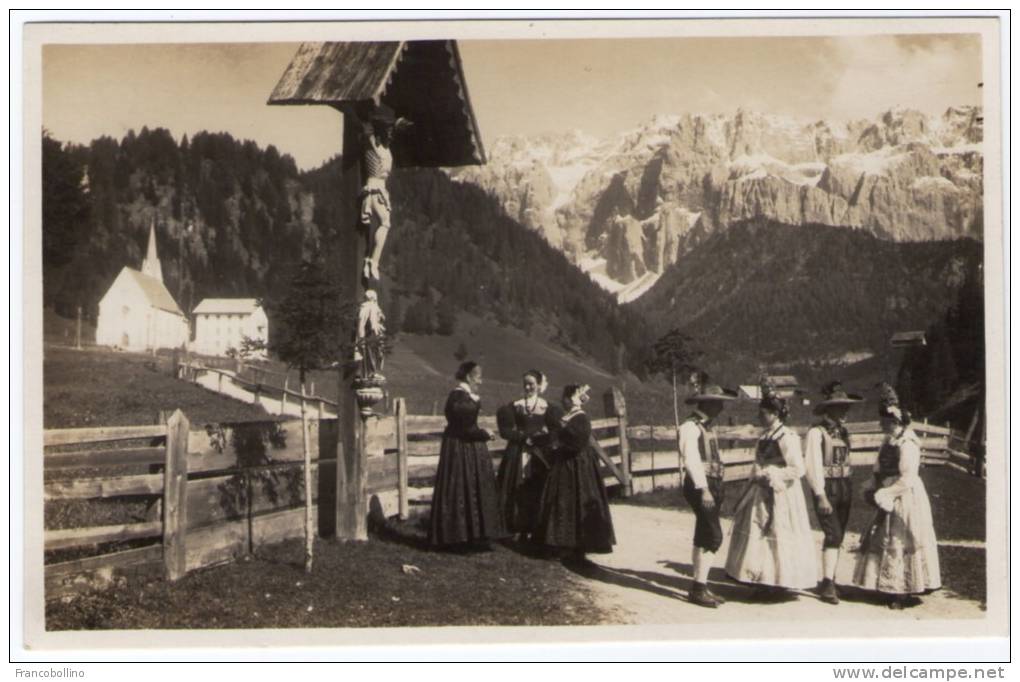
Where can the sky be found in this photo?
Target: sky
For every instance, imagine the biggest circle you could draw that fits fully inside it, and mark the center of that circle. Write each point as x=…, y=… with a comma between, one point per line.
x=516, y=86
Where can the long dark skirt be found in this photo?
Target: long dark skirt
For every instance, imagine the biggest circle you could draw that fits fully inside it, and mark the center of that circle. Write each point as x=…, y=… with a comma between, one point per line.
x=574, y=511
x=465, y=506
x=519, y=489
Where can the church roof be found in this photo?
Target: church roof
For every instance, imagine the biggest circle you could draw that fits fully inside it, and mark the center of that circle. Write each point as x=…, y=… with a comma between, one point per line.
x=225, y=306
x=421, y=80
x=155, y=291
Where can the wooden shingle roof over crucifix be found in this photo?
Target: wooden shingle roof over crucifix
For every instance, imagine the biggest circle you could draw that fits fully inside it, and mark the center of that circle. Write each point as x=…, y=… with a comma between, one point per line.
x=420, y=80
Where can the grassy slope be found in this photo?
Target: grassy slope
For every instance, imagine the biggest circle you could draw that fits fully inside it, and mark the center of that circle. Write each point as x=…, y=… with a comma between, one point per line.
x=107, y=388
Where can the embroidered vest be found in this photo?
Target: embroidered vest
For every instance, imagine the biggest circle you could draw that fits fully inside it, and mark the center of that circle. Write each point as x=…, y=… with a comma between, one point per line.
x=768, y=453
x=835, y=450
x=888, y=461
x=708, y=449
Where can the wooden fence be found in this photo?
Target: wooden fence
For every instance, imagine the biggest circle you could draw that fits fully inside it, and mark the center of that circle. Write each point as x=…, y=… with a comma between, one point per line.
x=213, y=494
x=263, y=385
x=221, y=491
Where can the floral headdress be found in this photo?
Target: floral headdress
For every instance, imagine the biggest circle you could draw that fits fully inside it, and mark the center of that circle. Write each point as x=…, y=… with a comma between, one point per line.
x=889, y=404
x=770, y=399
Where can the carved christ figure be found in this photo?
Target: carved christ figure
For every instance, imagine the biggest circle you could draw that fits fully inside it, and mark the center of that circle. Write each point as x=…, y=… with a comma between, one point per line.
x=376, y=164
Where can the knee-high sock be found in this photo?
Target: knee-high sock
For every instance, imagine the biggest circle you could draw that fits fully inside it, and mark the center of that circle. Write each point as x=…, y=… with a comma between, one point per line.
x=830, y=557
x=702, y=561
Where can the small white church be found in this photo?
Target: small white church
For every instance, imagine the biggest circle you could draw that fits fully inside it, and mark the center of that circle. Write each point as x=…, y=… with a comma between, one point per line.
x=137, y=312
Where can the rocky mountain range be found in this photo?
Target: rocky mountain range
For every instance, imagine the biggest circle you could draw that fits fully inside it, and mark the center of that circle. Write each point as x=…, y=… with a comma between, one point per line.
x=625, y=208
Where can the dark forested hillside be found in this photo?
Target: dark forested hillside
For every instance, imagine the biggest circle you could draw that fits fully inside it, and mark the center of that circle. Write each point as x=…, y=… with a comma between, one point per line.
x=232, y=219
x=452, y=247
x=788, y=293
x=244, y=205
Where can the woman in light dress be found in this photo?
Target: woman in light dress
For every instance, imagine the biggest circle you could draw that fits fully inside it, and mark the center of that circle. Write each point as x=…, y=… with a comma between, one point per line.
x=899, y=552
x=772, y=546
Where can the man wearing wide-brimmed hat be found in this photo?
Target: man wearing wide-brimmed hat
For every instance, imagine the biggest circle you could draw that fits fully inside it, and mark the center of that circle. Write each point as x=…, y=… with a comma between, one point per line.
x=703, y=483
x=827, y=451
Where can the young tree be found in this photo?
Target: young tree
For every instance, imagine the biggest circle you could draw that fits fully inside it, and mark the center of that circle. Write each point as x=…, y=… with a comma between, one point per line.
x=674, y=355
x=311, y=331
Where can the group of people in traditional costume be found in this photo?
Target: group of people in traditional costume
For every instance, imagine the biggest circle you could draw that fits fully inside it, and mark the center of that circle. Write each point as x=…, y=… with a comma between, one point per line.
x=772, y=547
x=549, y=491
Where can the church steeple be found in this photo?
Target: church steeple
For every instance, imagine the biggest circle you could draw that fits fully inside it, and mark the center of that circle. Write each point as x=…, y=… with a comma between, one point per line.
x=151, y=266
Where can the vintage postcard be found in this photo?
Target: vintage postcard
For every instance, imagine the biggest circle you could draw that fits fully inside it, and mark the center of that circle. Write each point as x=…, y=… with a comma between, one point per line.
x=512, y=331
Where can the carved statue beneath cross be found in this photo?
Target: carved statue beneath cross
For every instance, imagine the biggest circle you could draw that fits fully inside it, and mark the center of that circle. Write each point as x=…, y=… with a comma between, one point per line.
x=371, y=332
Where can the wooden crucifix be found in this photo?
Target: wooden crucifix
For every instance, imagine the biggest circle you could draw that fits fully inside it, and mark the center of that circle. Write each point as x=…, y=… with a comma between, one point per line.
x=375, y=85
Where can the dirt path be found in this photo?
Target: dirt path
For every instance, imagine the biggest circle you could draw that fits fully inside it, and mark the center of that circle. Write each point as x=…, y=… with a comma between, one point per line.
x=645, y=581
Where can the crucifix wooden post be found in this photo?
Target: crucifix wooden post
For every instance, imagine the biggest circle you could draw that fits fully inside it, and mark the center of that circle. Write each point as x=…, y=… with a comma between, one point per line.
x=351, y=473
x=399, y=86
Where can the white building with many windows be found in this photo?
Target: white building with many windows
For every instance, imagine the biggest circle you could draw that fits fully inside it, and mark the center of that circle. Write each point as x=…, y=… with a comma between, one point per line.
x=137, y=312
x=222, y=324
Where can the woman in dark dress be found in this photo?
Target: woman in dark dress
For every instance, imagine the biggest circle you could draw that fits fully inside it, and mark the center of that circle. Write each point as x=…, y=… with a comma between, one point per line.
x=465, y=507
x=525, y=463
x=574, y=511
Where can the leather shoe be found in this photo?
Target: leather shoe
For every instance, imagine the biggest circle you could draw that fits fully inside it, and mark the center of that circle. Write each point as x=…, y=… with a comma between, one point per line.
x=827, y=592
x=701, y=596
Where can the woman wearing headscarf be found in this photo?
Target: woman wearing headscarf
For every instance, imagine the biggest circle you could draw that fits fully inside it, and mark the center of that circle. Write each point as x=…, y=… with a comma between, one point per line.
x=574, y=511
x=523, y=468
x=899, y=552
x=772, y=546
x=465, y=506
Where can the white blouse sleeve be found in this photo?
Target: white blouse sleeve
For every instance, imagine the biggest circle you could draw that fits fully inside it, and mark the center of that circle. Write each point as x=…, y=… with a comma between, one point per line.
x=690, y=434
x=789, y=445
x=910, y=464
x=813, y=460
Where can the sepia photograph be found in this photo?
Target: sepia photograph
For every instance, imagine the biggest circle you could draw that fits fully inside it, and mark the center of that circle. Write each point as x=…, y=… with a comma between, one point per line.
x=660, y=330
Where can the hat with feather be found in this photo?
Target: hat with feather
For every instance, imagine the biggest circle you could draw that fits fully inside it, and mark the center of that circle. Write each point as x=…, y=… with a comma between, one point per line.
x=702, y=390
x=833, y=393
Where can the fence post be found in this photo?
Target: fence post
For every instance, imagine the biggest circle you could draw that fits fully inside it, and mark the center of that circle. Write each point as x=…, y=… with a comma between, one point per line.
x=400, y=408
x=219, y=381
x=175, y=496
x=255, y=394
x=616, y=406
x=321, y=408
x=307, y=452
x=283, y=398
x=651, y=438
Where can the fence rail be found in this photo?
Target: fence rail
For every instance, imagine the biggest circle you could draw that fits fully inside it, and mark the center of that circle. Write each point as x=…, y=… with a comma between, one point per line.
x=262, y=392
x=219, y=492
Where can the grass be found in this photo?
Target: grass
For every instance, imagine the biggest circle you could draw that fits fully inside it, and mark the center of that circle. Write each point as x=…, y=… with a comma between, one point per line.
x=958, y=510
x=351, y=585
x=100, y=387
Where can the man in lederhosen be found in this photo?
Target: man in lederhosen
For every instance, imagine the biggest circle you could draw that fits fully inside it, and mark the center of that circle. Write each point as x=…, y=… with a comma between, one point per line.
x=827, y=455
x=703, y=483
